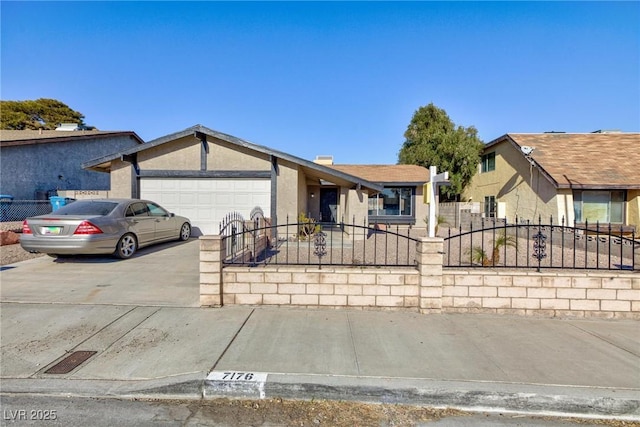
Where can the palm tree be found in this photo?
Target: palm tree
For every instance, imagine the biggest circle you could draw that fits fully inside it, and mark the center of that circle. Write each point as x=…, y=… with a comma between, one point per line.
x=478, y=254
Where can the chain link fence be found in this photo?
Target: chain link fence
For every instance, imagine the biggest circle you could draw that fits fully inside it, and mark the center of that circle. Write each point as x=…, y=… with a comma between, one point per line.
x=13, y=212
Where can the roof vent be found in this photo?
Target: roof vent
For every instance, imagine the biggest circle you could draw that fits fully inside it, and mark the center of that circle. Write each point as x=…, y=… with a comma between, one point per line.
x=68, y=127
x=555, y=131
x=607, y=131
x=324, y=160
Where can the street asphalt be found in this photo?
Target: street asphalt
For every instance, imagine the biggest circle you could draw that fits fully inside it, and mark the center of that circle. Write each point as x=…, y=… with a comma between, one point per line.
x=150, y=339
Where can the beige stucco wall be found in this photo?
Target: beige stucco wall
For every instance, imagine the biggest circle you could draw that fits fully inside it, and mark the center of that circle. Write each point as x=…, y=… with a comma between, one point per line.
x=526, y=192
x=421, y=208
x=182, y=154
x=633, y=209
x=225, y=156
x=303, y=194
x=313, y=203
x=356, y=206
x=120, y=179
x=287, y=192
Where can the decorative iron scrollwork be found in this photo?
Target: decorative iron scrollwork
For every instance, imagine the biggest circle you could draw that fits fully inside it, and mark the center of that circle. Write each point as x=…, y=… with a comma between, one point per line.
x=539, y=246
x=320, y=244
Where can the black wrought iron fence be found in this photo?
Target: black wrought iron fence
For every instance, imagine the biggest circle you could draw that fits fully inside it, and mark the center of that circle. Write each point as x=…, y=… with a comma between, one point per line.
x=307, y=242
x=527, y=244
x=19, y=210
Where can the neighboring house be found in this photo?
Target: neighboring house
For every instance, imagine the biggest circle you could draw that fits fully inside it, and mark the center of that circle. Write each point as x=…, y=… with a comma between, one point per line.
x=581, y=177
x=204, y=174
x=34, y=164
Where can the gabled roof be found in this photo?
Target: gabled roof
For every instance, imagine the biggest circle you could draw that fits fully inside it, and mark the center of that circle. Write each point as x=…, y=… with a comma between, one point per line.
x=582, y=160
x=387, y=174
x=311, y=168
x=9, y=138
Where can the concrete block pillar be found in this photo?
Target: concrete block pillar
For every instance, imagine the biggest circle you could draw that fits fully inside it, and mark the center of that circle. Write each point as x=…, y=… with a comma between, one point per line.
x=211, y=271
x=430, y=258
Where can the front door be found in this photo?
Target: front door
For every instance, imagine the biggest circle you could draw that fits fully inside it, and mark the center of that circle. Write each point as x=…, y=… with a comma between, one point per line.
x=328, y=205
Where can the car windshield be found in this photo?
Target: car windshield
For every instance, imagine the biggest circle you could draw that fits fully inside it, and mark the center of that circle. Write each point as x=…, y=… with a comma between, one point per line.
x=87, y=208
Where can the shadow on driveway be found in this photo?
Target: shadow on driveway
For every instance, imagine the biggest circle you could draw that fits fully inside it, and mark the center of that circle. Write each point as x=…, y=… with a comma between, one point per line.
x=104, y=259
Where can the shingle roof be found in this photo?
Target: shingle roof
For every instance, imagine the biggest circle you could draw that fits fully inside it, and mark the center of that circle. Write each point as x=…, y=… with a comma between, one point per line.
x=387, y=173
x=27, y=137
x=584, y=160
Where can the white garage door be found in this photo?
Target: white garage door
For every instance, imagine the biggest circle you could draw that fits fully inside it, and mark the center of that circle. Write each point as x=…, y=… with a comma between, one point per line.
x=206, y=201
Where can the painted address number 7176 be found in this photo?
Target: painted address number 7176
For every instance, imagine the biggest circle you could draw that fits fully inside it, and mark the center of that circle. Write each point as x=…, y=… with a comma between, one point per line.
x=259, y=377
x=237, y=376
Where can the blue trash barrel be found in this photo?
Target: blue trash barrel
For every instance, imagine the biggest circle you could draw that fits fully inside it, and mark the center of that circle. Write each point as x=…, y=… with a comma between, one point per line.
x=5, y=205
x=57, y=202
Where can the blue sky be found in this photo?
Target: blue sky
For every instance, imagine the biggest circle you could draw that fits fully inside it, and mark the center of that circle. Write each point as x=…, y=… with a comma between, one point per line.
x=324, y=78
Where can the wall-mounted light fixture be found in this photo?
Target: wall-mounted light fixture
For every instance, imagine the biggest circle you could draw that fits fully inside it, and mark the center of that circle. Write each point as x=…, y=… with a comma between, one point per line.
x=312, y=195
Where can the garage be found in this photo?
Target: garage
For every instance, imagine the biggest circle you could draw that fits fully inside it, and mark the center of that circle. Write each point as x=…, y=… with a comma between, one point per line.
x=205, y=201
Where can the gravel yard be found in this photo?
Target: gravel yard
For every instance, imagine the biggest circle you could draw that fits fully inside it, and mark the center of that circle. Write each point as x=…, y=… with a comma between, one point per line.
x=10, y=254
x=519, y=250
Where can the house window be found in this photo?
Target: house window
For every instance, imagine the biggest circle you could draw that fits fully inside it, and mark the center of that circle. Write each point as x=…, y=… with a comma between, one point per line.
x=490, y=206
x=392, y=201
x=488, y=162
x=599, y=206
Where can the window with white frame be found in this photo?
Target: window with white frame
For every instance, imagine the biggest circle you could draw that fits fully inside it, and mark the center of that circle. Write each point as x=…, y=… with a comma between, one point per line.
x=603, y=206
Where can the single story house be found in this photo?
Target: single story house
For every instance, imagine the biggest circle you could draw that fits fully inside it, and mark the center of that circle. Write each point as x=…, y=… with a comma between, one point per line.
x=204, y=174
x=36, y=163
x=578, y=177
x=402, y=199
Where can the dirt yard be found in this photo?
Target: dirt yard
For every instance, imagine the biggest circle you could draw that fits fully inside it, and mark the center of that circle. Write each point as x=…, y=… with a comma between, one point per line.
x=10, y=254
x=341, y=414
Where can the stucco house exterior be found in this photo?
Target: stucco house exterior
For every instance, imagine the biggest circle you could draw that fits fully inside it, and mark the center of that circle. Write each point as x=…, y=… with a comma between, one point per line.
x=402, y=199
x=581, y=177
x=34, y=163
x=204, y=174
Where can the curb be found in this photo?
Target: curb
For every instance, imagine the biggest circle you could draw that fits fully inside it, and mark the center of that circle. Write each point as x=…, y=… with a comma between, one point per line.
x=469, y=396
x=530, y=399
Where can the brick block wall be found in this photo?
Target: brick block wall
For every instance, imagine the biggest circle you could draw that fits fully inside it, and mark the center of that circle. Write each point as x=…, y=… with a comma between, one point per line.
x=352, y=287
x=566, y=294
x=428, y=288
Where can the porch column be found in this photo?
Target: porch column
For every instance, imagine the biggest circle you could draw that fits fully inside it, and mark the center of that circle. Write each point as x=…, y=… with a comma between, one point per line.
x=429, y=257
x=211, y=271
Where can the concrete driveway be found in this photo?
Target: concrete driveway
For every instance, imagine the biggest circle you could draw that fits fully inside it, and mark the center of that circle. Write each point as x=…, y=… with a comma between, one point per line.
x=162, y=275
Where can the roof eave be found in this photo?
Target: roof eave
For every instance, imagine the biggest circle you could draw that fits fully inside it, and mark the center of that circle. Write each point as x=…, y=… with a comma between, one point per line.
x=599, y=186
x=92, y=164
x=67, y=138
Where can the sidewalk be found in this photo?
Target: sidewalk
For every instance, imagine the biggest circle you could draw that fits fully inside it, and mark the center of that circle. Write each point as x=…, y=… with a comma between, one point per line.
x=473, y=362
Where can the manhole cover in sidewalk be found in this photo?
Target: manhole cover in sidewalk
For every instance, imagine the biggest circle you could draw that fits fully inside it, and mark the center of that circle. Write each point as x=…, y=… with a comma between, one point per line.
x=70, y=362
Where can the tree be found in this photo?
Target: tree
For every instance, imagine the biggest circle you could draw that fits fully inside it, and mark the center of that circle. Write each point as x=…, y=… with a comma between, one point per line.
x=479, y=255
x=42, y=113
x=432, y=139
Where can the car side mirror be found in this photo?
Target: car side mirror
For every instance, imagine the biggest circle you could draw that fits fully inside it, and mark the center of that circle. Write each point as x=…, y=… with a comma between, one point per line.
x=171, y=215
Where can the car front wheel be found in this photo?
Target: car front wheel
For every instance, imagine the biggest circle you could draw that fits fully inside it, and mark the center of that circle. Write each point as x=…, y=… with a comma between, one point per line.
x=127, y=246
x=185, y=232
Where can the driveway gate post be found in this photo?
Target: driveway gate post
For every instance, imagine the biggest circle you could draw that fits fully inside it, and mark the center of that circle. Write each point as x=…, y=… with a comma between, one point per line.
x=429, y=259
x=211, y=271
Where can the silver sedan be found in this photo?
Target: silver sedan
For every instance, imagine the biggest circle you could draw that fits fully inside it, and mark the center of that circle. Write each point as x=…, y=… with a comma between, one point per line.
x=102, y=226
